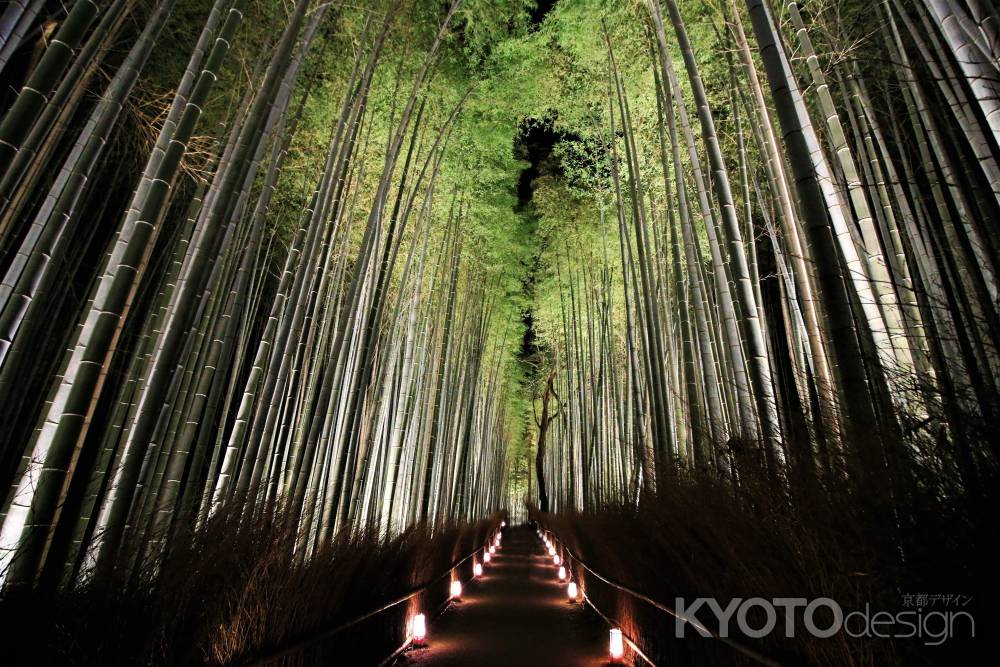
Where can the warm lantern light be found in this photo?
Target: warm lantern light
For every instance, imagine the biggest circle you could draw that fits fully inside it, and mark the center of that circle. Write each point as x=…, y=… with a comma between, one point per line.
x=617, y=647
x=419, y=630
x=562, y=573
x=477, y=569
x=552, y=551
x=503, y=524
x=571, y=591
x=493, y=549
x=556, y=559
x=487, y=557
x=456, y=589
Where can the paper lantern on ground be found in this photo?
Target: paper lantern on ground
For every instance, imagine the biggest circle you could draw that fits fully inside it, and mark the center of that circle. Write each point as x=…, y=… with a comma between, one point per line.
x=477, y=569
x=552, y=551
x=493, y=549
x=562, y=573
x=418, y=630
x=571, y=591
x=456, y=589
x=617, y=645
x=487, y=557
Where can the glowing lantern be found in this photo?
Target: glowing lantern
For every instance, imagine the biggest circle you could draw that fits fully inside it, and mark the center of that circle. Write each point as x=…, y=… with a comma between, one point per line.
x=493, y=549
x=562, y=573
x=487, y=557
x=571, y=591
x=503, y=524
x=617, y=646
x=552, y=551
x=477, y=570
x=556, y=560
x=456, y=589
x=419, y=630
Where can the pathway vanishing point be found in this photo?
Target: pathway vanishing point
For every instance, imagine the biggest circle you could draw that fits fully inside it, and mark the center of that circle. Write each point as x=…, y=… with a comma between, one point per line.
x=516, y=615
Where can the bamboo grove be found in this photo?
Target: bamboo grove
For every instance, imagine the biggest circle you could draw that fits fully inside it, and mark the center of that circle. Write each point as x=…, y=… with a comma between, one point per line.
x=345, y=374
x=268, y=258
x=792, y=268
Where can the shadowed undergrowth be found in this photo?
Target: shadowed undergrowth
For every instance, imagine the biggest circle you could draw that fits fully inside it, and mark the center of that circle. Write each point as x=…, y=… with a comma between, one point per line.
x=698, y=538
x=226, y=594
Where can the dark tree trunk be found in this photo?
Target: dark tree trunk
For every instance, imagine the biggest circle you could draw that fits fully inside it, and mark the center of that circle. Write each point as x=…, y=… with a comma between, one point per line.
x=543, y=427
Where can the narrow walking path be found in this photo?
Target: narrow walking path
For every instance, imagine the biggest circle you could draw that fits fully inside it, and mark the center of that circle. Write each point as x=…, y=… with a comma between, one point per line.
x=515, y=615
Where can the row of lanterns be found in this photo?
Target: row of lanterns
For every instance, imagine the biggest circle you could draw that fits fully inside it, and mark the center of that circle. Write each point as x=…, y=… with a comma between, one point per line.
x=571, y=588
x=418, y=624
x=616, y=645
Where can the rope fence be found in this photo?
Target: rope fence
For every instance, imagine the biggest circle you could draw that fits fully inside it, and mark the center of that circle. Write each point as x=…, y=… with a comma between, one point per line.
x=304, y=641
x=744, y=650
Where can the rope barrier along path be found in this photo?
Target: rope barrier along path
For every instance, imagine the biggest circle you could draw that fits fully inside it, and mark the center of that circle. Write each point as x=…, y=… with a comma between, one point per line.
x=745, y=650
x=437, y=612
x=319, y=634
x=628, y=640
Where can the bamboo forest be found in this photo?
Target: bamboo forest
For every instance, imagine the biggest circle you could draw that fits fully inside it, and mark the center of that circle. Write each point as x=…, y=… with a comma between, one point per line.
x=670, y=329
